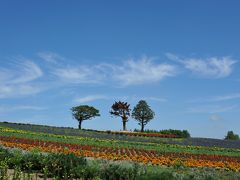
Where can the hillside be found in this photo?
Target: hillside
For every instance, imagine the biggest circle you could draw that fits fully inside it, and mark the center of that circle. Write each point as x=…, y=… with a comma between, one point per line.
x=113, y=155
x=209, y=142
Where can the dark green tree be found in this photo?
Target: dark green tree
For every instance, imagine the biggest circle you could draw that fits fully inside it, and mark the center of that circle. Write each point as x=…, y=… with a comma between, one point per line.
x=84, y=112
x=232, y=136
x=121, y=109
x=142, y=113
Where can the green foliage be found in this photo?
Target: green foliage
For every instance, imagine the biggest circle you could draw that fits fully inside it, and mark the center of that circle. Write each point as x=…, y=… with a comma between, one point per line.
x=51, y=165
x=121, y=109
x=84, y=112
x=179, y=133
x=142, y=113
x=61, y=166
x=4, y=157
x=231, y=136
x=158, y=176
x=183, y=133
x=118, y=171
x=32, y=162
x=4, y=154
x=15, y=159
x=92, y=170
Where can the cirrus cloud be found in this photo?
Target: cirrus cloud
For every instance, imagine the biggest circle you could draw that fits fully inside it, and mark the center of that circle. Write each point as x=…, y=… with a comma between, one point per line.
x=50, y=57
x=212, y=67
x=89, y=98
x=212, y=108
x=142, y=71
x=129, y=72
x=17, y=80
x=215, y=117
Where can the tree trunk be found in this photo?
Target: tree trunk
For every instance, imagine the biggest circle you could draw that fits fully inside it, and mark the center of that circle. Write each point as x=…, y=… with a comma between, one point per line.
x=124, y=125
x=142, y=129
x=80, y=125
x=124, y=120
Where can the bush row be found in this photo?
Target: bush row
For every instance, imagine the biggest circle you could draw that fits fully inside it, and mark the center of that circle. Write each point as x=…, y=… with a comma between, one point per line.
x=179, y=133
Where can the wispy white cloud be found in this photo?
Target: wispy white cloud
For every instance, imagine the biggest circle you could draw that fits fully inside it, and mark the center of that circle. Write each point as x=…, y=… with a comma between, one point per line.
x=23, y=76
x=173, y=57
x=130, y=72
x=22, y=72
x=133, y=99
x=211, y=109
x=142, y=71
x=79, y=75
x=215, y=117
x=7, y=109
x=227, y=97
x=212, y=67
x=10, y=91
x=17, y=80
x=50, y=57
x=89, y=98
x=157, y=99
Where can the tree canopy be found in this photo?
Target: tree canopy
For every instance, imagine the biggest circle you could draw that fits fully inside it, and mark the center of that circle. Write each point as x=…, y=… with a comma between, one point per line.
x=84, y=112
x=142, y=113
x=232, y=136
x=121, y=109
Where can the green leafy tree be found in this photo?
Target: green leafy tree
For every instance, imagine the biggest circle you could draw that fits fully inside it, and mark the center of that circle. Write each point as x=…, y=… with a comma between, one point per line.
x=142, y=113
x=232, y=136
x=84, y=112
x=121, y=109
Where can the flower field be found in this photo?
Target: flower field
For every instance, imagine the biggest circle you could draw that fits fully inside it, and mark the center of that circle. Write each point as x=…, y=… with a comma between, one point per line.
x=116, y=135
x=153, y=153
x=145, y=153
x=142, y=156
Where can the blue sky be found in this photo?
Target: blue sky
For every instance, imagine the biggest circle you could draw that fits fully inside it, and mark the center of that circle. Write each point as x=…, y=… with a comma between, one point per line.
x=182, y=57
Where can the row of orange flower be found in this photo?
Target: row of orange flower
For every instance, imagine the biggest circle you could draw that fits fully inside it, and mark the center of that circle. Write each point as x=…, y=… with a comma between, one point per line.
x=143, y=156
